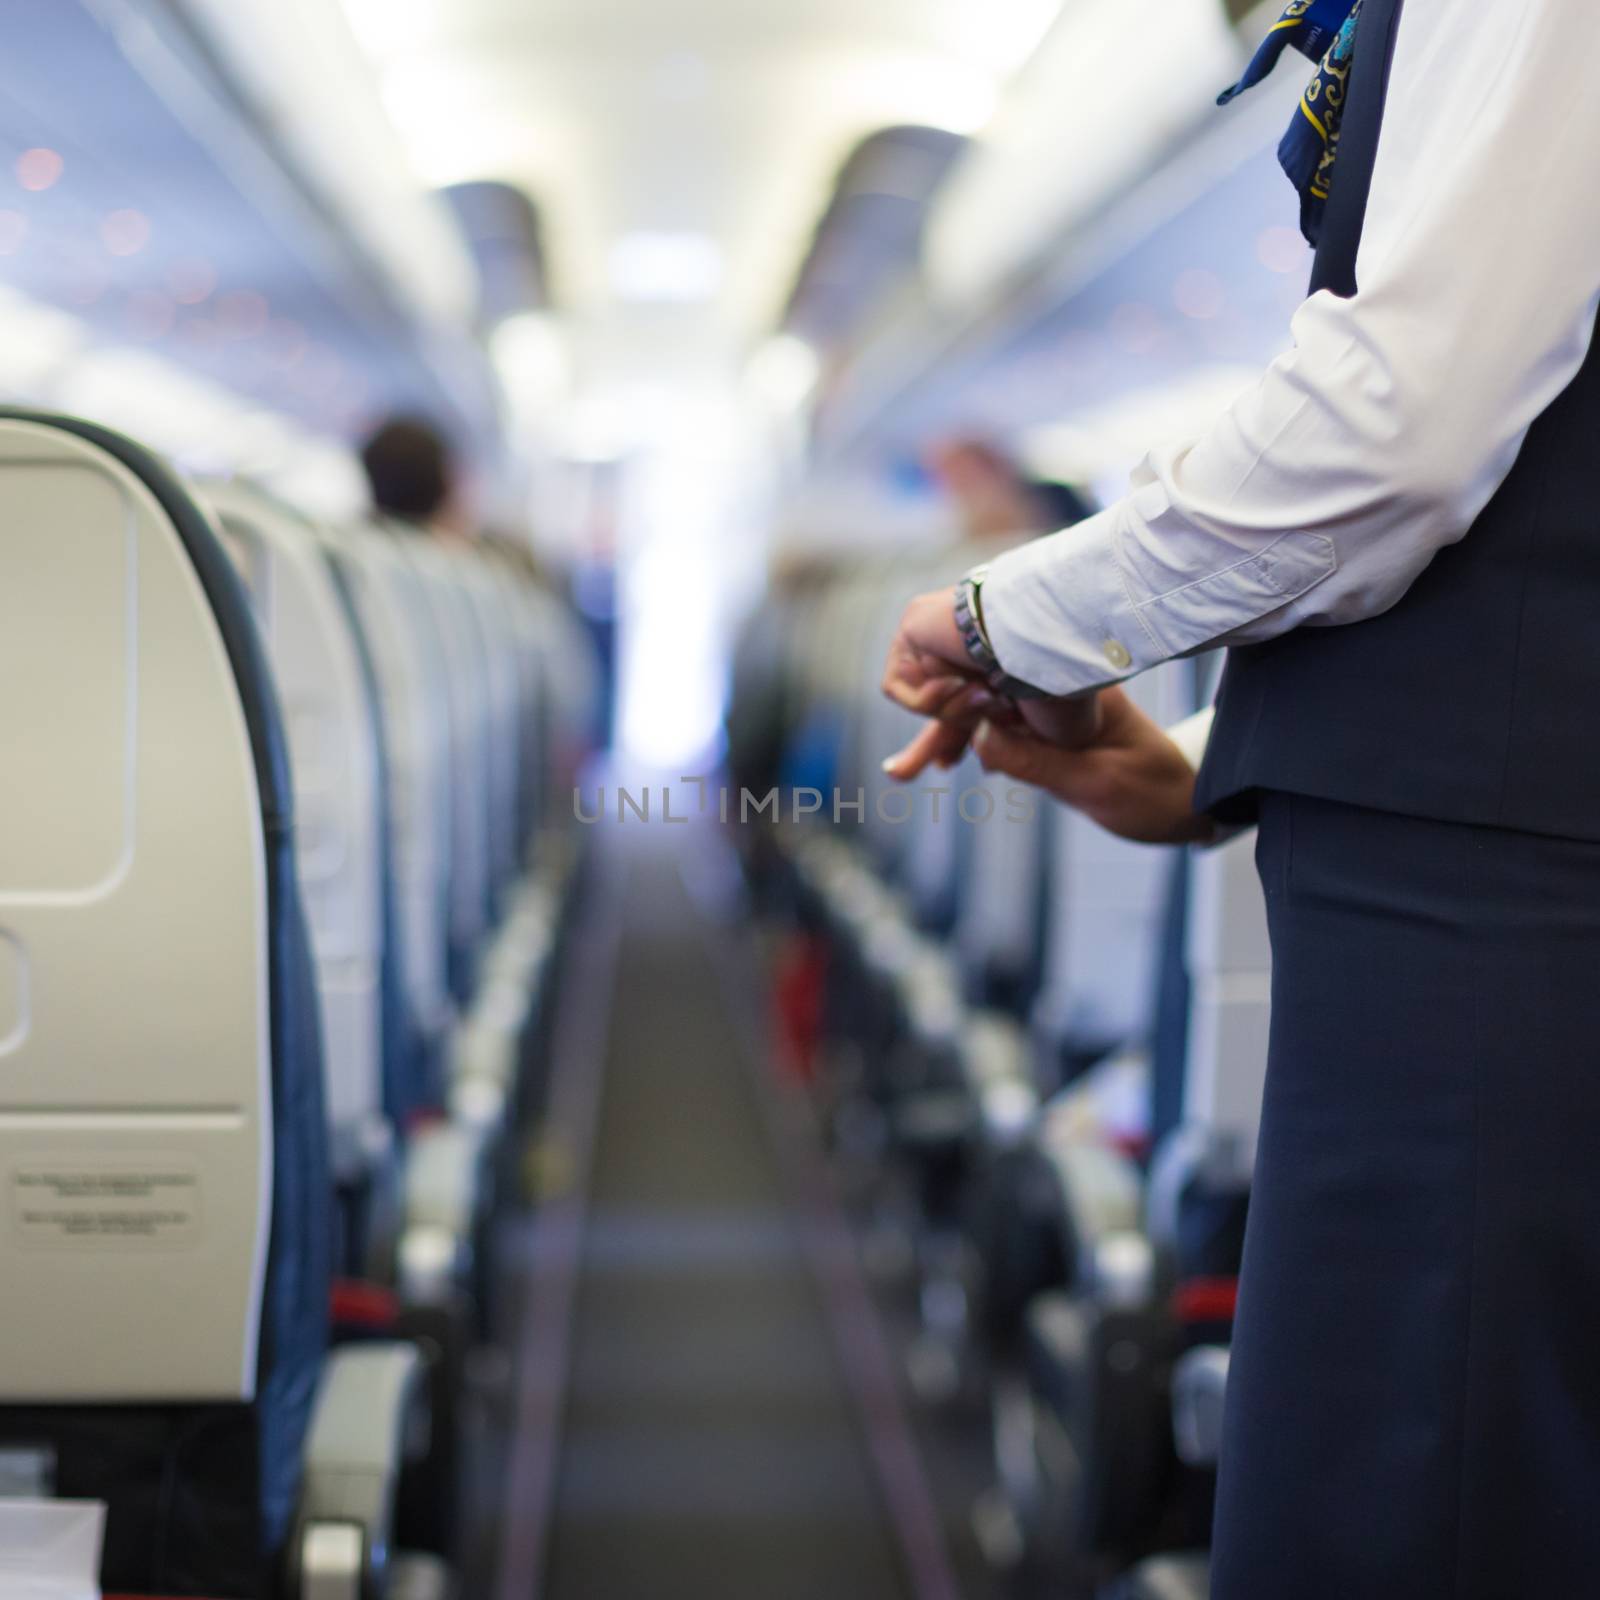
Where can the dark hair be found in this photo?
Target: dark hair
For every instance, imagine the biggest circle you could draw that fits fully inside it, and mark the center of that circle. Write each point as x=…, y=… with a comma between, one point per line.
x=409, y=467
x=1059, y=503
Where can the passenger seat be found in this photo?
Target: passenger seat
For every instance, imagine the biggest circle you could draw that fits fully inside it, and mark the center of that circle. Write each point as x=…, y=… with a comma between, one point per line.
x=163, y=1142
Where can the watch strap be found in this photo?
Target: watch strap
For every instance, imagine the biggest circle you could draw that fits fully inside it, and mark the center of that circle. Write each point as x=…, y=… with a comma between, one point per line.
x=969, y=623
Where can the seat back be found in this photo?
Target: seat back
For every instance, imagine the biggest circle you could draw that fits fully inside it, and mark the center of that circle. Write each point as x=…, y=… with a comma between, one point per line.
x=1229, y=959
x=1209, y=1059
x=938, y=848
x=412, y=676
x=162, y=1143
x=498, y=649
x=854, y=624
x=1102, y=938
x=472, y=788
x=333, y=757
x=1002, y=891
x=519, y=608
x=1210, y=1062
x=574, y=687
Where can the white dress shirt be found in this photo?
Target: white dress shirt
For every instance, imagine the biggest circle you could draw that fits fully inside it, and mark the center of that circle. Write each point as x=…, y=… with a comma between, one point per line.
x=1318, y=496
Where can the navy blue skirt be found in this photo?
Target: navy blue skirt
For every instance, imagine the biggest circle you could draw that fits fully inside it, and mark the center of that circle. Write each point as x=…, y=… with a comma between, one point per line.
x=1414, y=1397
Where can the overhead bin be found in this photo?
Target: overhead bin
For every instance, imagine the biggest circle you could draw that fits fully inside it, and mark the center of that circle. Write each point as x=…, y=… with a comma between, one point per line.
x=871, y=231
x=297, y=67
x=1068, y=272
x=1048, y=162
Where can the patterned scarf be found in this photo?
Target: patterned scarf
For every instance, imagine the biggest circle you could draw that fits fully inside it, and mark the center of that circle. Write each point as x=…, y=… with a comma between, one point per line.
x=1324, y=30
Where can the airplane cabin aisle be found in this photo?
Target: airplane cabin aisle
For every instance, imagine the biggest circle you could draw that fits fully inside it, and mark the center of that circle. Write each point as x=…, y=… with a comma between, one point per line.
x=711, y=1438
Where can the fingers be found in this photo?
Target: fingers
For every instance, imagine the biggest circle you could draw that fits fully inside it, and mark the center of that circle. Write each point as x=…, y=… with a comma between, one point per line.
x=1071, y=723
x=926, y=696
x=918, y=681
x=971, y=704
x=938, y=744
x=928, y=662
x=944, y=740
x=1016, y=753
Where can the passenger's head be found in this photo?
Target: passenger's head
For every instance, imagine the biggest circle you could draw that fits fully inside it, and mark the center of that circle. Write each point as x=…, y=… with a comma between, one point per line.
x=1059, y=504
x=410, y=469
x=988, y=488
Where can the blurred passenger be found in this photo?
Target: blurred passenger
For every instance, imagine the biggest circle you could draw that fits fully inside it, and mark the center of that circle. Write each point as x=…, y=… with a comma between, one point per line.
x=768, y=739
x=517, y=551
x=1059, y=504
x=995, y=497
x=414, y=477
x=1395, y=530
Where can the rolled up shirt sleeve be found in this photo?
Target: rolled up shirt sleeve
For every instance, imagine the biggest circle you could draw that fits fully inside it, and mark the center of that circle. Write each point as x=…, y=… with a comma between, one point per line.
x=1322, y=492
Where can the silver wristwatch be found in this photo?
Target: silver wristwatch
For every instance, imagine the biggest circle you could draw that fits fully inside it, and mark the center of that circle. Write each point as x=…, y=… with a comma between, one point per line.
x=969, y=621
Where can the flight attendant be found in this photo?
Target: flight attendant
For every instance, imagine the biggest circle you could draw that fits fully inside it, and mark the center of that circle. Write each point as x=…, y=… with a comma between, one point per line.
x=1396, y=532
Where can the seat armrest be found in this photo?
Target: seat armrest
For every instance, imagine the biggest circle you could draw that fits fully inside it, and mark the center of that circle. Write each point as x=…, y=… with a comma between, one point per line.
x=419, y=1577
x=928, y=989
x=1174, y=1577
x=853, y=898
x=1101, y=1191
x=889, y=946
x=479, y=1106
x=444, y=1177
x=996, y=1048
x=502, y=1008
x=1199, y=1386
x=997, y=1060
x=444, y=1199
x=1123, y=1271
x=370, y=1398
x=931, y=1122
x=485, y=1043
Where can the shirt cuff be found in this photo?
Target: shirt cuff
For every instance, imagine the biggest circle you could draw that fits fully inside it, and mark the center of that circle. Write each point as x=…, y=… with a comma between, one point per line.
x=1057, y=612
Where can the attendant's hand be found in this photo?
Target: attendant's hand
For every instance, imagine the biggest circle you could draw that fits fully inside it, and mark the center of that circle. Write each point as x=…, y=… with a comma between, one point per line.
x=930, y=672
x=1132, y=779
x=1069, y=723
x=928, y=663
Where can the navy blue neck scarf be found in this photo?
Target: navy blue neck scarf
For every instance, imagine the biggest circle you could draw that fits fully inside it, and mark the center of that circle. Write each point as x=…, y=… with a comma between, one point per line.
x=1325, y=31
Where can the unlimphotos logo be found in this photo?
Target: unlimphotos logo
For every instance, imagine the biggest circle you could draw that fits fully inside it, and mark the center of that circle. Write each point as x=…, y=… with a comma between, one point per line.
x=896, y=806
